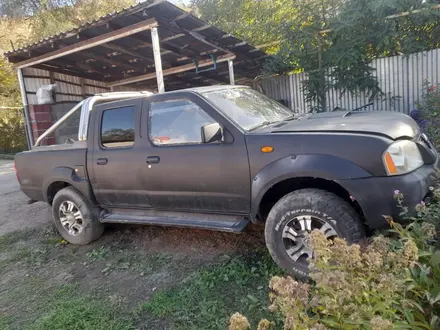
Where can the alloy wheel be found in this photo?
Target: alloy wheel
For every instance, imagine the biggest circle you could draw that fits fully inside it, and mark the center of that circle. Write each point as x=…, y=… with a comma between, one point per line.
x=71, y=218
x=296, y=236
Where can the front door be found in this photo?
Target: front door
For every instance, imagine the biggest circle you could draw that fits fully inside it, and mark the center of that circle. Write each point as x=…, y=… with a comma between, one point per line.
x=181, y=172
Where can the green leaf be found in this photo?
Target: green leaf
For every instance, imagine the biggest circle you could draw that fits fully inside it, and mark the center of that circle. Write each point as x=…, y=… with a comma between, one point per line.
x=435, y=259
x=253, y=299
x=435, y=295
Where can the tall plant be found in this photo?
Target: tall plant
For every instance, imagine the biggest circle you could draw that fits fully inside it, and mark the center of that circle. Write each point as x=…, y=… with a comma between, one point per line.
x=334, y=41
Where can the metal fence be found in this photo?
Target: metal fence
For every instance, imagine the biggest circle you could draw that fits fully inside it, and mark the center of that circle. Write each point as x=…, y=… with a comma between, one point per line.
x=401, y=78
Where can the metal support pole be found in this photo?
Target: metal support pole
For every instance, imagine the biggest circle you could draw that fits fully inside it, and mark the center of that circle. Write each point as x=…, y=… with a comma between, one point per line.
x=231, y=72
x=28, y=126
x=157, y=60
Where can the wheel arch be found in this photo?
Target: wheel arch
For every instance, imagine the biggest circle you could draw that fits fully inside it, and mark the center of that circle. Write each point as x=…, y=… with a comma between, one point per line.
x=62, y=177
x=298, y=172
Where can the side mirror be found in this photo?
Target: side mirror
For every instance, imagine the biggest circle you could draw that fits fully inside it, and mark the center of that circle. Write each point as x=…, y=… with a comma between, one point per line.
x=212, y=133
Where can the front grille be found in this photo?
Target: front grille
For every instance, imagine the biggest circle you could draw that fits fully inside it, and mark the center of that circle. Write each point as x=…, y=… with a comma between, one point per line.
x=429, y=153
x=424, y=140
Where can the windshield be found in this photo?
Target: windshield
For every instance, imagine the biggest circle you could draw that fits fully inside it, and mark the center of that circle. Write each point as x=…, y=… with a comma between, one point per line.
x=247, y=107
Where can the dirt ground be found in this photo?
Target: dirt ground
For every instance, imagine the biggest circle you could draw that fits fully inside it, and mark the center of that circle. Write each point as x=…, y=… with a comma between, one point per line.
x=15, y=213
x=127, y=265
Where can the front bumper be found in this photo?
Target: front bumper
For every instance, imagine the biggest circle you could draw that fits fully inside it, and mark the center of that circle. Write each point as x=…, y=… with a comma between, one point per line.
x=375, y=195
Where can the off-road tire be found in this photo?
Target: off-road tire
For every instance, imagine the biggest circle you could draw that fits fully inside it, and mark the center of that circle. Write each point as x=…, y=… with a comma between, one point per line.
x=327, y=206
x=92, y=229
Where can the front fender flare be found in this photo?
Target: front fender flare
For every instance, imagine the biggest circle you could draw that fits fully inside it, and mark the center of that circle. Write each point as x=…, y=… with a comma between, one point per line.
x=300, y=166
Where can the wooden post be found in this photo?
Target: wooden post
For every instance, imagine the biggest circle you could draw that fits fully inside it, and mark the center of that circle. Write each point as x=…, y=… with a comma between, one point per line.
x=29, y=134
x=157, y=60
x=231, y=72
x=83, y=87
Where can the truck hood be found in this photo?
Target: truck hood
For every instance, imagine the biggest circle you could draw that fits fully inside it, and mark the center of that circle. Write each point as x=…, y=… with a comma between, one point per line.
x=391, y=124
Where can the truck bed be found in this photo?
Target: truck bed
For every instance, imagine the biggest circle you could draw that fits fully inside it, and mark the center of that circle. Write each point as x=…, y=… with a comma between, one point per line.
x=38, y=168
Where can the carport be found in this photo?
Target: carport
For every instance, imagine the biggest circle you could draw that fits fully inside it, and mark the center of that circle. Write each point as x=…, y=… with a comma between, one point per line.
x=152, y=46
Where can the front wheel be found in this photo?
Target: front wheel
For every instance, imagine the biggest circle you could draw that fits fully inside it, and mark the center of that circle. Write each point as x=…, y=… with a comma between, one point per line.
x=75, y=218
x=293, y=217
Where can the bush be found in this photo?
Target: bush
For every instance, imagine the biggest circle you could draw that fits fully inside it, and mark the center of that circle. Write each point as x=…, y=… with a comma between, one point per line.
x=429, y=107
x=12, y=131
x=391, y=283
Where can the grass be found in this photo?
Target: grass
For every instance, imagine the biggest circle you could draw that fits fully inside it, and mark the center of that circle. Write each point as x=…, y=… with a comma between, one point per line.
x=9, y=240
x=207, y=299
x=20, y=247
x=204, y=300
x=198, y=296
x=67, y=309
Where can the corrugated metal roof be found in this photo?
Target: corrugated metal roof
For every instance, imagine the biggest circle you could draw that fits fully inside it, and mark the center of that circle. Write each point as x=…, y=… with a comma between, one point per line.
x=99, y=21
x=184, y=39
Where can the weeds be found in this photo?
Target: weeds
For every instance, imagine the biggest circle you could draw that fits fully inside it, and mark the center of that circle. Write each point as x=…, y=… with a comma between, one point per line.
x=66, y=309
x=205, y=300
x=99, y=254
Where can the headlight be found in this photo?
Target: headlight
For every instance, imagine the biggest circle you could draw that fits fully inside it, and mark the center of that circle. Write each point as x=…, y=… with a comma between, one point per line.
x=402, y=157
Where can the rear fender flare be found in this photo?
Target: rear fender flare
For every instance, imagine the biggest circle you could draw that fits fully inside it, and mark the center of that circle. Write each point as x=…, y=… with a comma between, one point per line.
x=300, y=166
x=75, y=177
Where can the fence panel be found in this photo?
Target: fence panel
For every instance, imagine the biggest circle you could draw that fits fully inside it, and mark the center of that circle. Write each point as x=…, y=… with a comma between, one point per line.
x=401, y=79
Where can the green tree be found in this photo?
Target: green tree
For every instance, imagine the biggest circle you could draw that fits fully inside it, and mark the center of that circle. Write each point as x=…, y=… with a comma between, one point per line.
x=49, y=17
x=334, y=41
x=9, y=91
x=257, y=22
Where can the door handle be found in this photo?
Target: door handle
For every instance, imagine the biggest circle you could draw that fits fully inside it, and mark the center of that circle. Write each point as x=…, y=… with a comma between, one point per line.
x=102, y=161
x=153, y=160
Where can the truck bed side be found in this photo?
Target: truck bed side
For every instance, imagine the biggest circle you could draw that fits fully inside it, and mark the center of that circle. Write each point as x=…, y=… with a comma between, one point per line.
x=39, y=169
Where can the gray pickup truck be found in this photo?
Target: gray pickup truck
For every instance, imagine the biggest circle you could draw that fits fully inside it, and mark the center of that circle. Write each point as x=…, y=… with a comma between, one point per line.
x=223, y=157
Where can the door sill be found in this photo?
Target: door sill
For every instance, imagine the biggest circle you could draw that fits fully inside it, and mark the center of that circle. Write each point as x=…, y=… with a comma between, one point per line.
x=227, y=223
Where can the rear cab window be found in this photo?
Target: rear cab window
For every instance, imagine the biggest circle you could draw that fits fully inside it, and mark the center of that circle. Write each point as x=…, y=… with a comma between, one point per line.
x=118, y=127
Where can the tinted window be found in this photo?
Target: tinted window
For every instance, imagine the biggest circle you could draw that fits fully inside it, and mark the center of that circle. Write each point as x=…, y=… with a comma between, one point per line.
x=177, y=122
x=117, y=129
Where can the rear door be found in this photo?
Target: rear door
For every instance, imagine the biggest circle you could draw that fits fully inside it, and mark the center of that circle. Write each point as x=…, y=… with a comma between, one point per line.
x=117, y=157
x=181, y=172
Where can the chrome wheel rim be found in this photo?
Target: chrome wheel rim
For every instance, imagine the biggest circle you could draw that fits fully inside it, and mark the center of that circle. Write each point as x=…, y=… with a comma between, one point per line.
x=71, y=218
x=296, y=236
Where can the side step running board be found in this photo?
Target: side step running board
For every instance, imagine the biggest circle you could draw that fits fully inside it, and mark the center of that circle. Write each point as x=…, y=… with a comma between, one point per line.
x=234, y=224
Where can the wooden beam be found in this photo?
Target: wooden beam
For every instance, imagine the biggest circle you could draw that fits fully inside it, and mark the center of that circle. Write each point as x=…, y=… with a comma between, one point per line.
x=165, y=45
x=170, y=71
x=183, y=16
x=50, y=67
x=117, y=48
x=179, y=35
x=204, y=27
x=70, y=65
x=108, y=60
x=90, y=43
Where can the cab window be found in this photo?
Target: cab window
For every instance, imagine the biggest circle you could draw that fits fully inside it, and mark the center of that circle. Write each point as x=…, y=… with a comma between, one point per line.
x=118, y=126
x=177, y=122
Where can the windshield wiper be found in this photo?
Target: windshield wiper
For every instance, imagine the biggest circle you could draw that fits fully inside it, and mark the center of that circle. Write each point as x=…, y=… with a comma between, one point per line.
x=292, y=117
x=264, y=123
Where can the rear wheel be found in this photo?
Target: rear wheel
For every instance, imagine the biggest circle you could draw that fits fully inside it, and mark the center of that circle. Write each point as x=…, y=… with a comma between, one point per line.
x=75, y=218
x=293, y=218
